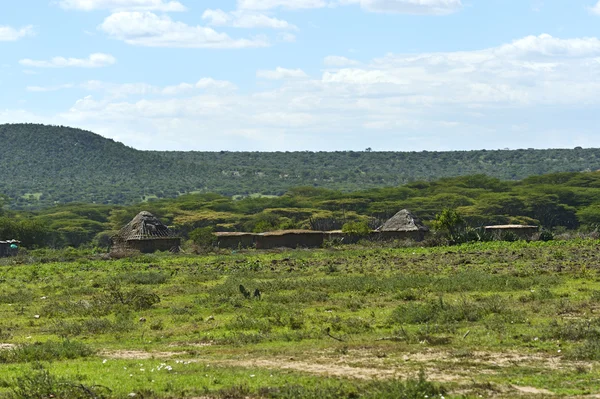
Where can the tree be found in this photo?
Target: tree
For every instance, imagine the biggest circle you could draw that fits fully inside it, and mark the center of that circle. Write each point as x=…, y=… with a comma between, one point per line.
x=203, y=237
x=358, y=228
x=3, y=201
x=449, y=221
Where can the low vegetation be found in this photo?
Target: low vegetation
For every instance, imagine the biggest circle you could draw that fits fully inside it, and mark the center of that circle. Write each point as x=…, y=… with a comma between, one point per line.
x=501, y=319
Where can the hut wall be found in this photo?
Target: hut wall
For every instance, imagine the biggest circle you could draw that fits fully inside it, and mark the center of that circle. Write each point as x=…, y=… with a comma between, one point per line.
x=349, y=238
x=150, y=245
x=290, y=240
x=4, y=247
x=524, y=233
x=236, y=241
x=400, y=235
x=6, y=250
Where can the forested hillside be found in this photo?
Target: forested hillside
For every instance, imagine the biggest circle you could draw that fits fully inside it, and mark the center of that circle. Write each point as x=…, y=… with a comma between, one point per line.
x=46, y=165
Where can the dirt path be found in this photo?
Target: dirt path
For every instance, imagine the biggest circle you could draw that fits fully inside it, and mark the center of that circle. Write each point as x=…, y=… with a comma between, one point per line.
x=440, y=366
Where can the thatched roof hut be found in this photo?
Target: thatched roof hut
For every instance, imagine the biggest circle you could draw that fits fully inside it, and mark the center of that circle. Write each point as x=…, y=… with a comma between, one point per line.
x=145, y=233
x=403, y=225
x=404, y=220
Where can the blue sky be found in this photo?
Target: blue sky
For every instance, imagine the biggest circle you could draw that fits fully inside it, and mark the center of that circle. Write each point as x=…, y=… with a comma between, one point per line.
x=279, y=75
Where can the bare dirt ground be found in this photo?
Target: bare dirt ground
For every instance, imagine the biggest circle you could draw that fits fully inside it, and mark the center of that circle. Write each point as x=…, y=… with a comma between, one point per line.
x=440, y=366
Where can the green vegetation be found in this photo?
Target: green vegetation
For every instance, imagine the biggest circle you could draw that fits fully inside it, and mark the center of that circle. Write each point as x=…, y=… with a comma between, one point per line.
x=556, y=202
x=500, y=319
x=45, y=165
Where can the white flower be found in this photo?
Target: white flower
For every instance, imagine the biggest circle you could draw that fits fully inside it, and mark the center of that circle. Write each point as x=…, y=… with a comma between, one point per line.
x=104, y=361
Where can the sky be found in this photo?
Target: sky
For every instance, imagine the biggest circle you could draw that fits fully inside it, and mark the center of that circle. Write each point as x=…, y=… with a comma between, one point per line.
x=307, y=75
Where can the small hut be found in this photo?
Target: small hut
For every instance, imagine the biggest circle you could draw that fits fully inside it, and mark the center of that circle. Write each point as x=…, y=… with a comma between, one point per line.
x=9, y=248
x=147, y=234
x=403, y=225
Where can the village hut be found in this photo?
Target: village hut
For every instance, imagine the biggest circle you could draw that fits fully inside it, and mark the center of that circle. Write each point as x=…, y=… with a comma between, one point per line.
x=147, y=234
x=404, y=225
x=9, y=248
x=235, y=240
x=290, y=239
x=502, y=232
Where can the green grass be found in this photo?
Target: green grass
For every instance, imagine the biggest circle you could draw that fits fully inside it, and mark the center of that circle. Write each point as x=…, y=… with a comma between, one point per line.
x=353, y=322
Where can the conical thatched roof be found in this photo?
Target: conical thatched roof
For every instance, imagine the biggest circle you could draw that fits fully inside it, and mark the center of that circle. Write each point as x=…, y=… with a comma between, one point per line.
x=403, y=221
x=145, y=226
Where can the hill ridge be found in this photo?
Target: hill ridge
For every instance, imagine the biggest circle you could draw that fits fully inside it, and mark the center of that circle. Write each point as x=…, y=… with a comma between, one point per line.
x=43, y=165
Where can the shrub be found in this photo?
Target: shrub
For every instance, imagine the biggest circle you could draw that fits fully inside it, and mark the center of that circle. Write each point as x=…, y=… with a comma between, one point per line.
x=203, y=237
x=546, y=235
x=39, y=383
x=358, y=228
x=144, y=278
x=45, y=351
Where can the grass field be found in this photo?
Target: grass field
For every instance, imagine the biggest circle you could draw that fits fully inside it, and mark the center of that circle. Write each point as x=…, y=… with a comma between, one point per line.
x=484, y=320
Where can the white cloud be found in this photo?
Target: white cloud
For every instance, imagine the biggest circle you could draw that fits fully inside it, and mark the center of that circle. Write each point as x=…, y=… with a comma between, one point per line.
x=596, y=9
x=286, y=37
x=10, y=34
x=202, y=84
x=365, y=77
x=150, y=30
x=424, y=7
x=95, y=60
x=446, y=100
x=43, y=89
x=270, y=4
x=548, y=46
x=338, y=61
x=244, y=19
x=123, y=90
x=282, y=73
x=135, y=5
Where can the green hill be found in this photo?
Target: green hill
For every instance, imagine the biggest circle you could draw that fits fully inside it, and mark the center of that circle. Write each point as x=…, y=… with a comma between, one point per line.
x=43, y=165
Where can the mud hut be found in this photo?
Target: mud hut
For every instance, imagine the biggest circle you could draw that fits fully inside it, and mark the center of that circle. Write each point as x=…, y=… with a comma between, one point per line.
x=403, y=225
x=147, y=234
x=9, y=248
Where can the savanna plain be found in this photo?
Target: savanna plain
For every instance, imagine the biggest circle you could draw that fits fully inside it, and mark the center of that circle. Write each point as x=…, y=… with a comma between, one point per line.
x=495, y=319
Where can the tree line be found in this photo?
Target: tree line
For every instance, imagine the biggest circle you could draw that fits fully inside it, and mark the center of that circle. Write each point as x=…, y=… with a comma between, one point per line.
x=554, y=201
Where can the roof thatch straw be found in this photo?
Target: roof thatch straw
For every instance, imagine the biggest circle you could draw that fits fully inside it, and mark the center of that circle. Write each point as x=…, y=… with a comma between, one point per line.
x=403, y=221
x=145, y=226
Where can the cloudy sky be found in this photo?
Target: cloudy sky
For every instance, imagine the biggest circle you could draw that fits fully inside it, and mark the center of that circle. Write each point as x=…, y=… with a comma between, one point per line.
x=267, y=75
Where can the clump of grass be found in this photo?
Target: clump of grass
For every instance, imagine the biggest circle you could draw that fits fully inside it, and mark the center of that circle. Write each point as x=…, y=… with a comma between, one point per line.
x=589, y=350
x=45, y=351
x=137, y=298
x=39, y=383
x=144, y=278
x=393, y=389
x=575, y=330
x=440, y=311
x=65, y=329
